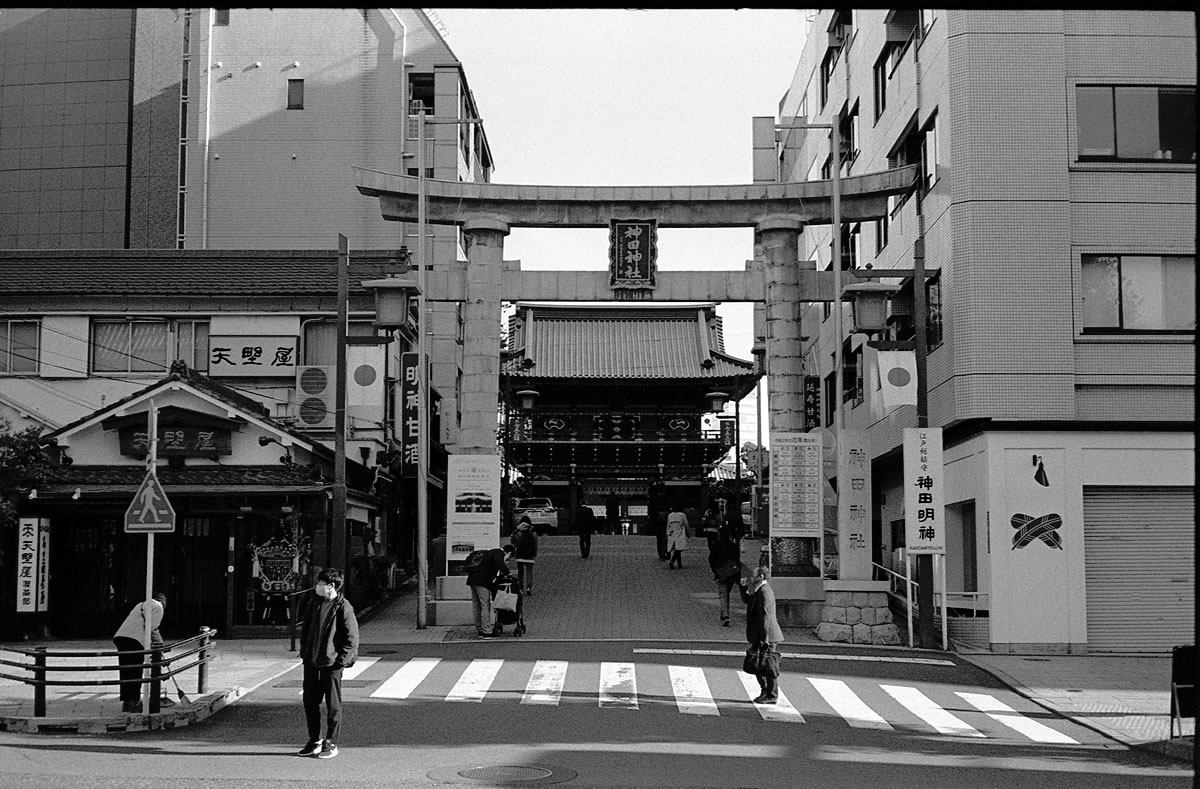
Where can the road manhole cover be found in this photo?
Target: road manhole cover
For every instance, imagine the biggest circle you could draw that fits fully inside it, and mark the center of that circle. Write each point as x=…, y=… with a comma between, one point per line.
x=504, y=775
x=506, y=772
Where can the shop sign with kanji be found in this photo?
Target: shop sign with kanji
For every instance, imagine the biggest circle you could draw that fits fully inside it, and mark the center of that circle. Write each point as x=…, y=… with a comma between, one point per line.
x=246, y=356
x=924, y=494
x=33, y=565
x=410, y=425
x=812, y=402
x=177, y=441
x=632, y=252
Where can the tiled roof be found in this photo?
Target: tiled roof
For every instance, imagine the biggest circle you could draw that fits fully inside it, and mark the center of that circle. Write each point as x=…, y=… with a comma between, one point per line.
x=188, y=475
x=621, y=343
x=186, y=272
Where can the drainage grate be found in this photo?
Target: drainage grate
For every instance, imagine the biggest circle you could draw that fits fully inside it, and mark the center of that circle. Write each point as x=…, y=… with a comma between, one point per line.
x=506, y=772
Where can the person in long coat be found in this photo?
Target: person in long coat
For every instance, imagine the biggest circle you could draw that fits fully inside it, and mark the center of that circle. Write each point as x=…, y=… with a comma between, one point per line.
x=762, y=626
x=677, y=534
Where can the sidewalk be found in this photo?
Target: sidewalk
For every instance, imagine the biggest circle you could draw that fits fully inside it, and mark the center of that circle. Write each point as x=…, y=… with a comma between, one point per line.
x=626, y=594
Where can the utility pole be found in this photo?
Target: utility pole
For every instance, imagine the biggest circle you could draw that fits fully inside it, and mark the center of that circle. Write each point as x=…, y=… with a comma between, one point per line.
x=925, y=633
x=337, y=528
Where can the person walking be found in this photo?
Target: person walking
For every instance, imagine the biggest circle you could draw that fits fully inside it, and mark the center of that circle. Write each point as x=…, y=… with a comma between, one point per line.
x=677, y=534
x=726, y=564
x=762, y=626
x=130, y=640
x=710, y=525
x=328, y=644
x=525, y=545
x=482, y=580
x=585, y=524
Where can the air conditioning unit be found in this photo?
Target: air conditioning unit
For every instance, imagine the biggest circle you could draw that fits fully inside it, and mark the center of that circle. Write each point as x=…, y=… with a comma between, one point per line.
x=315, y=396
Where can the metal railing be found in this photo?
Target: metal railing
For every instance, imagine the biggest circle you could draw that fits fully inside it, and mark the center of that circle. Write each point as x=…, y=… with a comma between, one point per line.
x=38, y=670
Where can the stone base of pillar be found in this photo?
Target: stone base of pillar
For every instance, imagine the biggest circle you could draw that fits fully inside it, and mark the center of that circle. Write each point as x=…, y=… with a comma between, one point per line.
x=856, y=612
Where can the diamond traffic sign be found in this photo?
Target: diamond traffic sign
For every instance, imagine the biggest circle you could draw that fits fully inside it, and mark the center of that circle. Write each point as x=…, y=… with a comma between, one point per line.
x=150, y=510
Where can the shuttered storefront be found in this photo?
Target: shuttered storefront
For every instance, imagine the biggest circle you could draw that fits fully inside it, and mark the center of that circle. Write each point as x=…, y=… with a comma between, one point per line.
x=1139, y=545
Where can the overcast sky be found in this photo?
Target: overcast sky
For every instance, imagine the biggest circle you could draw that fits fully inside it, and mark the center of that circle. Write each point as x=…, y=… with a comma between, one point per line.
x=598, y=97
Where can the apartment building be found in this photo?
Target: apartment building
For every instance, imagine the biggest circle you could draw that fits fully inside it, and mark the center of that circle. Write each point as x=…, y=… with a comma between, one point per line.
x=171, y=181
x=1057, y=216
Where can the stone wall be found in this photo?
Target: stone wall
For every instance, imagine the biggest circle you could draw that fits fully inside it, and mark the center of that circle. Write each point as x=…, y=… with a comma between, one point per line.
x=857, y=618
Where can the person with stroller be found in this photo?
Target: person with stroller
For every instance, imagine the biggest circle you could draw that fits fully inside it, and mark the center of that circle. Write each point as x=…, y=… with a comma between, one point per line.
x=483, y=579
x=725, y=561
x=525, y=545
x=129, y=641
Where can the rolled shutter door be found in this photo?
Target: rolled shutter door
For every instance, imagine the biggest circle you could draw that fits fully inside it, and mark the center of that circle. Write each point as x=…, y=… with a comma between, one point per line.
x=1139, y=549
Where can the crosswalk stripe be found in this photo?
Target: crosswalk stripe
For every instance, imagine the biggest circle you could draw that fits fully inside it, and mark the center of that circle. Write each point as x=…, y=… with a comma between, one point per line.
x=845, y=702
x=404, y=681
x=1001, y=712
x=782, y=710
x=546, y=682
x=618, y=685
x=692, y=696
x=927, y=710
x=474, y=682
x=360, y=665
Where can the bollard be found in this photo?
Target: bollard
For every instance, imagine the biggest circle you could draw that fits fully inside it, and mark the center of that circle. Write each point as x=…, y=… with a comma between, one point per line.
x=202, y=669
x=39, y=688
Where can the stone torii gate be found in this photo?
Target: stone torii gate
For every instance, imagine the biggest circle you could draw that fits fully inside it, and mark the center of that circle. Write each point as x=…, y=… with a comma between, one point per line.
x=778, y=212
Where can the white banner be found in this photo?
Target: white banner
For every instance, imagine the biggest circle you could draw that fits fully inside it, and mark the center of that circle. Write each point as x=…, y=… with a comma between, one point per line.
x=472, y=505
x=256, y=356
x=897, y=378
x=924, y=494
x=796, y=485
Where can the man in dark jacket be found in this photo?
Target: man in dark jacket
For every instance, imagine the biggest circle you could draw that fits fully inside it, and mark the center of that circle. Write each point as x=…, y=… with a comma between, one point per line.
x=482, y=580
x=585, y=524
x=328, y=644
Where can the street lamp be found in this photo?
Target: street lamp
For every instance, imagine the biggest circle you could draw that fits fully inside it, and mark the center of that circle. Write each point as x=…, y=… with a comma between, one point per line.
x=868, y=305
x=422, y=365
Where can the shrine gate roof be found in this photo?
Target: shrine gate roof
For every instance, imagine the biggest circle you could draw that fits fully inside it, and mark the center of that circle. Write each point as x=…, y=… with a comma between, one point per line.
x=639, y=343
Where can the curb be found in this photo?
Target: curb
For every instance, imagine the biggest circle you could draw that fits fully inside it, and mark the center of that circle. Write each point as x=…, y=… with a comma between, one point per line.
x=1180, y=748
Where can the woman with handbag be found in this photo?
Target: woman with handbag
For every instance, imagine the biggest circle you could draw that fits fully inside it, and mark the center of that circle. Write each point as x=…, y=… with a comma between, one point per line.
x=762, y=633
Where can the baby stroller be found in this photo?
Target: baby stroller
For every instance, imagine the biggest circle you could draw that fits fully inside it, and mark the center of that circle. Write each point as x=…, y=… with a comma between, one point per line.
x=508, y=583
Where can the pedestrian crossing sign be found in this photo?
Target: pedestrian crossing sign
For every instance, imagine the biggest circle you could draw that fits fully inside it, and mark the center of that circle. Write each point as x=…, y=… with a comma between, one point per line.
x=150, y=510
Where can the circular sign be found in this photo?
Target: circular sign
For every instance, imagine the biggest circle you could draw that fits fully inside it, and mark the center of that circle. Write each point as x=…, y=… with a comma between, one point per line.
x=899, y=376
x=364, y=375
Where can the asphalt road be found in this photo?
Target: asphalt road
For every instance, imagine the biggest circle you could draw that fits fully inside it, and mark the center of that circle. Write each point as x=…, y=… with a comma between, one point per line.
x=615, y=714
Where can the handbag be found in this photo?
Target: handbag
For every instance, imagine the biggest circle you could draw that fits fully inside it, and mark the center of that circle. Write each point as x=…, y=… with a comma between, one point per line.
x=505, y=600
x=761, y=660
x=729, y=572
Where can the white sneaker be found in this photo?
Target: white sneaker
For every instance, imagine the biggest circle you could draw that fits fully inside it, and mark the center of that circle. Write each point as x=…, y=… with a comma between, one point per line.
x=328, y=751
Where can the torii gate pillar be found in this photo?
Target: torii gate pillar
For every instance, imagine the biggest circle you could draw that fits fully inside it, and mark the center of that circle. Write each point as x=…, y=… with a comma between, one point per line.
x=481, y=329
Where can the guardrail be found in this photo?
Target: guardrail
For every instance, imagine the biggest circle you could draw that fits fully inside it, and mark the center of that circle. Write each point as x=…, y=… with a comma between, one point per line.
x=39, y=668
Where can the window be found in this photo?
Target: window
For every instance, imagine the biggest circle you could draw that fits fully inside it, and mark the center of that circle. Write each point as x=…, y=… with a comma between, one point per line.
x=848, y=133
x=220, y=17
x=851, y=245
x=852, y=374
x=1139, y=292
x=902, y=328
x=295, y=99
x=420, y=90
x=18, y=347
x=882, y=70
x=1136, y=123
x=933, y=305
x=929, y=154
x=830, y=398
x=148, y=346
x=928, y=17
x=827, y=67
x=918, y=147
x=881, y=231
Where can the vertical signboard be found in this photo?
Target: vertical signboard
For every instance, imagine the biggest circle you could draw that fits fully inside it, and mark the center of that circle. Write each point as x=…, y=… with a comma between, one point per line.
x=854, y=506
x=795, y=489
x=632, y=252
x=410, y=424
x=924, y=504
x=812, y=402
x=472, y=507
x=33, y=565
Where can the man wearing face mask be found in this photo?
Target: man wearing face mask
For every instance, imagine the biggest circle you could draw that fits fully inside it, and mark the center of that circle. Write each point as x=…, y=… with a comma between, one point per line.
x=328, y=644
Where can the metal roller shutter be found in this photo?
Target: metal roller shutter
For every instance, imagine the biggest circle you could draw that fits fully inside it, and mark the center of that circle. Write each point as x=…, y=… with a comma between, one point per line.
x=1139, y=549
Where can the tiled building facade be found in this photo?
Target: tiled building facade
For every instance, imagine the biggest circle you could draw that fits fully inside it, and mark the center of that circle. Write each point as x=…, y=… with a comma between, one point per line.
x=1058, y=215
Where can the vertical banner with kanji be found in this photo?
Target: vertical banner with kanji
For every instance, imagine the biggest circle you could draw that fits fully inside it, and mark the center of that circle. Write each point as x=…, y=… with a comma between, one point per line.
x=632, y=252
x=33, y=564
x=854, y=506
x=410, y=425
x=924, y=502
x=812, y=402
